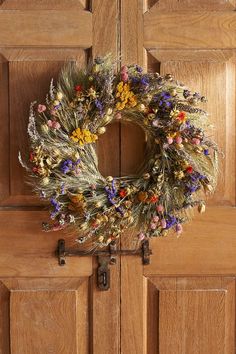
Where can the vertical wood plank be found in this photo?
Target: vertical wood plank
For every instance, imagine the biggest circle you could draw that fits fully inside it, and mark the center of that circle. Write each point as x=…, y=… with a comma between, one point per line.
x=132, y=51
x=4, y=320
x=106, y=304
x=133, y=306
x=4, y=128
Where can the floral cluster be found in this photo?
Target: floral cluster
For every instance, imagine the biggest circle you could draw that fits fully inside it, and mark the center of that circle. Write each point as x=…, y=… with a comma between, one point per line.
x=180, y=165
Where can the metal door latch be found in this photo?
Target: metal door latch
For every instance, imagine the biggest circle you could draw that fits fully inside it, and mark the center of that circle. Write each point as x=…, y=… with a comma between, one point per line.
x=105, y=257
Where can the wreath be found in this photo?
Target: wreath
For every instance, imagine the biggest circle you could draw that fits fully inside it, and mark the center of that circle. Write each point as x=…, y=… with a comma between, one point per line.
x=180, y=164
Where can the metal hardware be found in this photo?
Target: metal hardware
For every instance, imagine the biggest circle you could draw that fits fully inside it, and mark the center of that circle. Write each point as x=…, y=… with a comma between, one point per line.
x=105, y=257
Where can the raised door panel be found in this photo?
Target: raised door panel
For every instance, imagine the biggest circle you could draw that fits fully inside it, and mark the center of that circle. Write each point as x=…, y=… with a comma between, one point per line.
x=177, y=309
x=44, y=315
x=178, y=315
x=26, y=76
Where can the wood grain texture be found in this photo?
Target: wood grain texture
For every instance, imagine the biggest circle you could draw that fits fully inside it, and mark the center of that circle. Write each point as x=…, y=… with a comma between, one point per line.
x=34, y=76
x=43, y=4
x=43, y=54
x=28, y=251
x=191, y=55
x=105, y=28
x=189, y=5
x=190, y=330
x=4, y=319
x=202, y=30
x=105, y=314
x=133, y=306
x=207, y=246
x=132, y=148
x=132, y=51
x=4, y=132
x=215, y=80
x=52, y=28
x=49, y=320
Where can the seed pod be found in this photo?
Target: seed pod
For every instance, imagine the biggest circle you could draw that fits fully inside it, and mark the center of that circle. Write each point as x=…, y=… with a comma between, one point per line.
x=59, y=95
x=109, y=111
x=101, y=130
x=146, y=176
x=45, y=181
x=44, y=128
x=201, y=208
x=109, y=178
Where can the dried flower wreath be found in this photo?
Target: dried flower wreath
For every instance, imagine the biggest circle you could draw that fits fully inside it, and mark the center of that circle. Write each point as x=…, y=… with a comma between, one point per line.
x=180, y=164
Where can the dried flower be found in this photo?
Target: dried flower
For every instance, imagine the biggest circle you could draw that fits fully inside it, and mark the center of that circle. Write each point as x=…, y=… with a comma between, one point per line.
x=41, y=108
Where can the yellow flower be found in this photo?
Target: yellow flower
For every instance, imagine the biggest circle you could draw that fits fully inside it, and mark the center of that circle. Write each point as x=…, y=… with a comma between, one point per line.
x=126, y=97
x=83, y=136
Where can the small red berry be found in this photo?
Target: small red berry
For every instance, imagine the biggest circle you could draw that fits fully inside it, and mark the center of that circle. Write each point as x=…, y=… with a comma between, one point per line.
x=154, y=199
x=78, y=88
x=189, y=169
x=123, y=193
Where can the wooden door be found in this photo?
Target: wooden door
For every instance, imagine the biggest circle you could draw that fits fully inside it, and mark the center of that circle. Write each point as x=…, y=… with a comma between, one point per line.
x=45, y=308
x=184, y=301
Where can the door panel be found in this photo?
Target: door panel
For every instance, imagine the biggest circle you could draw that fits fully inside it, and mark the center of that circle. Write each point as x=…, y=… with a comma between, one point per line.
x=44, y=315
x=45, y=308
x=184, y=301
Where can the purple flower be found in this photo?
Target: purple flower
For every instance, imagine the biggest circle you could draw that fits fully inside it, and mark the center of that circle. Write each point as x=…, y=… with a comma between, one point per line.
x=196, y=176
x=111, y=195
x=163, y=100
x=186, y=93
x=68, y=166
x=56, y=207
x=170, y=221
x=98, y=104
x=188, y=124
x=138, y=68
x=166, y=95
x=144, y=81
x=135, y=80
x=206, y=152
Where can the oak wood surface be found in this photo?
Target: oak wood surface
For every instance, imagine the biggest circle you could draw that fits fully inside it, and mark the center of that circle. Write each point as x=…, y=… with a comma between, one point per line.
x=186, y=294
x=44, y=307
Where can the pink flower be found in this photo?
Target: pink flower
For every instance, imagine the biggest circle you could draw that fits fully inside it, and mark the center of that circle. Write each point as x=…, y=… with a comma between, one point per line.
x=153, y=226
x=141, y=236
x=169, y=140
x=196, y=141
x=53, y=112
x=41, y=108
x=178, y=140
x=118, y=115
x=124, y=76
x=155, y=218
x=53, y=124
x=56, y=125
x=160, y=208
x=124, y=73
x=163, y=223
x=179, y=229
x=124, y=69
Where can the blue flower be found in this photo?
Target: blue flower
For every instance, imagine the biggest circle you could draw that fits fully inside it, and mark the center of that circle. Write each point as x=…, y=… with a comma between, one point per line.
x=68, y=165
x=171, y=221
x=56, y=207
x=206, y=152
x=98, y=104
x=144, y=81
